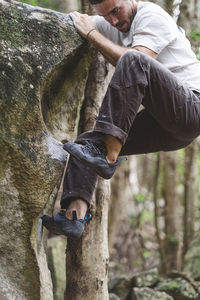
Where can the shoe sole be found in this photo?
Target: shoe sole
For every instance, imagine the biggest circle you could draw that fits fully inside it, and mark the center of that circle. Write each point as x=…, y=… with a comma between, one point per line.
x=53, y=226
x=90, y=163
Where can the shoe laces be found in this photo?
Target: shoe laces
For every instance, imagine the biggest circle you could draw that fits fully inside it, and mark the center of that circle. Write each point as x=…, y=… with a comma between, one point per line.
x=94, y=148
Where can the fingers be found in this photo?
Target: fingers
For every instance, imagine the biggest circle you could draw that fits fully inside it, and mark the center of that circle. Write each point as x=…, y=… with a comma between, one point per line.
x=76, y=14
x=82, y=22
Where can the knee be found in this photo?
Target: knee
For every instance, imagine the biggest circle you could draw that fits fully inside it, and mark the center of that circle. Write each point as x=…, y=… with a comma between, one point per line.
x=133, y=55
x=131, y=69
x=129, y=56
x=135, y=62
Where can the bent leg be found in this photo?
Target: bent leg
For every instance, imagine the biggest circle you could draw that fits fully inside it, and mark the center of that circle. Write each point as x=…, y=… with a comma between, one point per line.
x=139, y=79
x=146, y=136
x=79, y=183
x=80, y=180
x=170, y=122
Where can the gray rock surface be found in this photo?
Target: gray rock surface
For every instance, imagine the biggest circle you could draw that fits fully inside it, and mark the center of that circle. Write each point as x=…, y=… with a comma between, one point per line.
x=192, y=259
x=146, y=279
x=43, y=70
x=178, y=288
x=113, y=297
x=121, y=286
x=148, y=294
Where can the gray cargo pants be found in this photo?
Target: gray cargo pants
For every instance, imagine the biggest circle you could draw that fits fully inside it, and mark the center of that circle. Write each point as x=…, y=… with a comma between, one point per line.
x=169, y=121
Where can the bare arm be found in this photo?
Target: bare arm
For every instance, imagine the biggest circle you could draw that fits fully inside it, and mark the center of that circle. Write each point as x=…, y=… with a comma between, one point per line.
x=110, y=51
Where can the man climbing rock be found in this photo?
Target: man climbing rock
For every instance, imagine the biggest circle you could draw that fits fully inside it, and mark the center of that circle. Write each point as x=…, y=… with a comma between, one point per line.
x=155, y=67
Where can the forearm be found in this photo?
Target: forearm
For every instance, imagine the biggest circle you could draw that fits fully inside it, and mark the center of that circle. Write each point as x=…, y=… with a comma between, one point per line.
x=110, y=51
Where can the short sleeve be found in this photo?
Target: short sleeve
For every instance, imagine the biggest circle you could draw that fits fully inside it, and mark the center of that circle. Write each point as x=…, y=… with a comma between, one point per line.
x=107, y=29
x=154, y=31
x=101, y=25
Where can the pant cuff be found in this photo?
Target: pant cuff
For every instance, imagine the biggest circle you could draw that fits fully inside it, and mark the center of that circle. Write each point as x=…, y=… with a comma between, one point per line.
x=68, y=197
x=111, y=129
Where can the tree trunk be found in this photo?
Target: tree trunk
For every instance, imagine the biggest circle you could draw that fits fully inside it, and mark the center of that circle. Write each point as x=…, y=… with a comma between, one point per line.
x=87, y=259
x=43, y=74
x=119, y=202
x=189, y=18
x=169, y=160
x=190, y=194
x=156, y=194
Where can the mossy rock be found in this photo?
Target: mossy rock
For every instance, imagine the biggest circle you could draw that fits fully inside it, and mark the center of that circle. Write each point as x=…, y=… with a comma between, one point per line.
x=113, y=297
x=192, y=259
x=179, y=289
x=121, y=286
x=43, y=73
x=146, y=279
x=148, y=294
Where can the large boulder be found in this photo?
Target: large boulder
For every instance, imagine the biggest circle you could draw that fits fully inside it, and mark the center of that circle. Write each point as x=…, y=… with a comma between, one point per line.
x=178, y=288
x=148, y=294
x=113, y=297
x=147, y=278
x=43, y=71
x=121, y=286
x=192, y=259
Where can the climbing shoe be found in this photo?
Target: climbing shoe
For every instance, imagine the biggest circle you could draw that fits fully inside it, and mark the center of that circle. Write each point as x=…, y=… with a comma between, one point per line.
x=61, y=225
x=93, y=155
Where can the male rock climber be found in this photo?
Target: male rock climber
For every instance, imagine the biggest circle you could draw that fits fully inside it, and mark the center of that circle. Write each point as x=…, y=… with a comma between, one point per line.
x=155, y=67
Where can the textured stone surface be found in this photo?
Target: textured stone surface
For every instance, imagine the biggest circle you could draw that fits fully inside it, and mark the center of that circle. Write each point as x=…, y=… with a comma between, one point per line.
x=179, y=289
x=113, y=297
x=149, y=294
x=146, y=279
x=43, y=70
x=121, y=286
x=192, y=259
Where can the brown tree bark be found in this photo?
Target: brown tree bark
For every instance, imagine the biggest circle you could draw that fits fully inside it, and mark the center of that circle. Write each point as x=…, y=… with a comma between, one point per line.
x=189, y=18
x=169, y=161
x=190, y=194
x=120, y=198
x=87, y=259
x=156, y=194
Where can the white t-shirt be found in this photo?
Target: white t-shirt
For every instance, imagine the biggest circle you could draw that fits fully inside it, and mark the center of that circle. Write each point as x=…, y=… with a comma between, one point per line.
x=155, y=29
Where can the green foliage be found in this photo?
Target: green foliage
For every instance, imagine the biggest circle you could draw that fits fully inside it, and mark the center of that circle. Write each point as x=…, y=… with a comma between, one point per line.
x=146, y=253
x=42, y=3
x=172, y=238
x=140, y=198
x=198, y=177
x=132, y=221
x=180, y=168
x=195, y=33
x=146, y=216
x=31, y=2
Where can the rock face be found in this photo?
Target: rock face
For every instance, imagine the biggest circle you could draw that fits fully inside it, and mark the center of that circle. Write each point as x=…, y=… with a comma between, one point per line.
x=179, y=288
x=43, y=71
x=150, y=285
x=192, y=259
x=120, y=286
x=148, y=294
x=146, y=279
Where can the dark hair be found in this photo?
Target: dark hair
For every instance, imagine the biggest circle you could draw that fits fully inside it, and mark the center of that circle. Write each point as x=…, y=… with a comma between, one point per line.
x=95, y=1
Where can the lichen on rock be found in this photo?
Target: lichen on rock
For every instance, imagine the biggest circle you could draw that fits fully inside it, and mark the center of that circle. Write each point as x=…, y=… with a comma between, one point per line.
x=149, y=294
x=43, y=71
x=179, y=288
